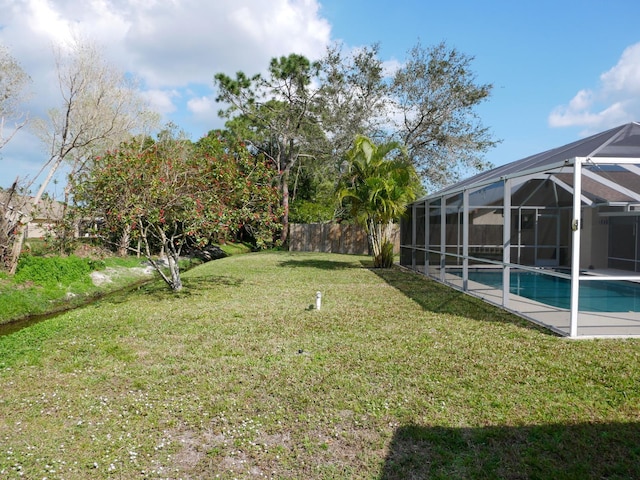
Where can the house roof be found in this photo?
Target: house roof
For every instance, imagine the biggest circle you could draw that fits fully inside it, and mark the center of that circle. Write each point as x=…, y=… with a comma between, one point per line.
x=619, y=142
x=46, y=210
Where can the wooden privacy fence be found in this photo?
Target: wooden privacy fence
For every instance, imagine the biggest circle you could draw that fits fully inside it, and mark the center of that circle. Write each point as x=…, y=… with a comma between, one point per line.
x=333, y=238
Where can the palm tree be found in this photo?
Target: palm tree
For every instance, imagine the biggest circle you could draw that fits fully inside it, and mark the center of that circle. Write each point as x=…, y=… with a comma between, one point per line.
x=379, y=189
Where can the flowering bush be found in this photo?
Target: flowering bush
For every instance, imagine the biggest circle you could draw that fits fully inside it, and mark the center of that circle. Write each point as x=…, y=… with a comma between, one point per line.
x=170, y=193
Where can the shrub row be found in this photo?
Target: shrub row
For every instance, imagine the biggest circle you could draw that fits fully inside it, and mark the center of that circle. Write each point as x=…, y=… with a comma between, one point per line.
x=55, y=270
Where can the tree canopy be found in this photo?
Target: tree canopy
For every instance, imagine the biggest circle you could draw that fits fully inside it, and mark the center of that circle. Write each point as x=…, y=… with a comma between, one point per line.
x=435, y=93
x=276, y=114
x=315, y=111
x=99, y=108
x=13, y=92
x=170, y=193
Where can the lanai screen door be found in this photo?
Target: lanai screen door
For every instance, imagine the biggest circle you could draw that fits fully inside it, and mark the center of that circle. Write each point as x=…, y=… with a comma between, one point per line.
x=624, y=243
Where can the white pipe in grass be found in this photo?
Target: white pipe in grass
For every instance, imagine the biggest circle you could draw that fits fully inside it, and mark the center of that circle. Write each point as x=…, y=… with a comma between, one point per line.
x=318, y=300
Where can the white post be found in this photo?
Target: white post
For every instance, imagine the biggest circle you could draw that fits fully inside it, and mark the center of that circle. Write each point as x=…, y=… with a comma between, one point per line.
x=506, y=242
x=575, y=246
x=318, y=300
x=443, y=237
x=427, y=243
x=414, y=228
x=465, y=240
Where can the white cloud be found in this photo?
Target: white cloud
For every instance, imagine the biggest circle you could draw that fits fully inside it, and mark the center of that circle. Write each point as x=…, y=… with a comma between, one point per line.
x=162, y=101
x=201, y=105
x=614, y=102
x=625, y=76
x=167, y=44
x=203, y=111
x=173, y=43
x=175, y=47
x=390, y=67
x=43, y=19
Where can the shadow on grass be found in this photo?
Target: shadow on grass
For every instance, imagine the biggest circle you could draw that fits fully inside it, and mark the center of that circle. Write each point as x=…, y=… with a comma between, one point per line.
x=438, y=298
x=191, y=286
x=582, y=451
x=319, y=264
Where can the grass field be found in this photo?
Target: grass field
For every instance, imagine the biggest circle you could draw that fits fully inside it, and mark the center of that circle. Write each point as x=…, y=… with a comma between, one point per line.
x=239, y=377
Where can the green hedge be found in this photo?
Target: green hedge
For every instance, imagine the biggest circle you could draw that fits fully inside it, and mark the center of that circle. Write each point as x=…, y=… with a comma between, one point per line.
x=55, y=270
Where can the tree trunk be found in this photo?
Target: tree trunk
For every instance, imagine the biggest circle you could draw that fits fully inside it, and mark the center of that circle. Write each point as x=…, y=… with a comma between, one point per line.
x=374, y=233
x=7, y=226
x=174, y=268
x=18, y=241
x=378, y=236
x=4, y=237
x=63, y=231
x=174, y=282
x=123, y=245
x=285, y=206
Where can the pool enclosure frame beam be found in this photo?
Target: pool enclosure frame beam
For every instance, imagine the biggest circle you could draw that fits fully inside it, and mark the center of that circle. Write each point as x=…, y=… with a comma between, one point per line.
x=575, y=246
x=506, y=242
x=509, y=182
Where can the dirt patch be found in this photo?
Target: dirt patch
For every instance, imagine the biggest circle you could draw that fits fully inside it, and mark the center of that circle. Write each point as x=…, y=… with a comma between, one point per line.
x=90, y=251
x=100, y=278
x=106, y=276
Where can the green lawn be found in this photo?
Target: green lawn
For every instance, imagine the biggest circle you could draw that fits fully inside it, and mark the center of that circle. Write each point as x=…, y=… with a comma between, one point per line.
x=237, y=377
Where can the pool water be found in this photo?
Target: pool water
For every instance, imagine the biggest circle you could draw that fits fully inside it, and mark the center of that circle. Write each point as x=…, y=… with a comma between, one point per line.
x=595, y=296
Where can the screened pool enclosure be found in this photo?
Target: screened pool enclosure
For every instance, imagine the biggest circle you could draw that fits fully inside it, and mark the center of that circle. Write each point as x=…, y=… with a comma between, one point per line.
x=553, y=237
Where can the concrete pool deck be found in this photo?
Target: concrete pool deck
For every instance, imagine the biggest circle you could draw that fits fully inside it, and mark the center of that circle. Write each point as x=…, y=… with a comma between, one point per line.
x=590, y=324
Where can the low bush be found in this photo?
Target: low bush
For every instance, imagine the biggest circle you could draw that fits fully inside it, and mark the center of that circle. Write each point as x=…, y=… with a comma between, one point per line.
x=55, y=270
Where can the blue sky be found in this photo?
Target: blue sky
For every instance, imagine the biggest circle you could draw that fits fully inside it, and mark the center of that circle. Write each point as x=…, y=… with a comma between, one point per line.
x=561, y=70
x=538, y=55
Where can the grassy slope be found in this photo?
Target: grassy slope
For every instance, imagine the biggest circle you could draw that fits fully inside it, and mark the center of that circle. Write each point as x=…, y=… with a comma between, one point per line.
x=23, y=297
x=394, y=377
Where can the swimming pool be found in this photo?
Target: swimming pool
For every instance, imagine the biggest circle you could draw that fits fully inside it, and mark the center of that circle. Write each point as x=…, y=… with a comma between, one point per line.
x=595, y=296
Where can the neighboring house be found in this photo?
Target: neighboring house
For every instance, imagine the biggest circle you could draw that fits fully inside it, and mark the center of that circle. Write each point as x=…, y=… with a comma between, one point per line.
x=42, y=218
